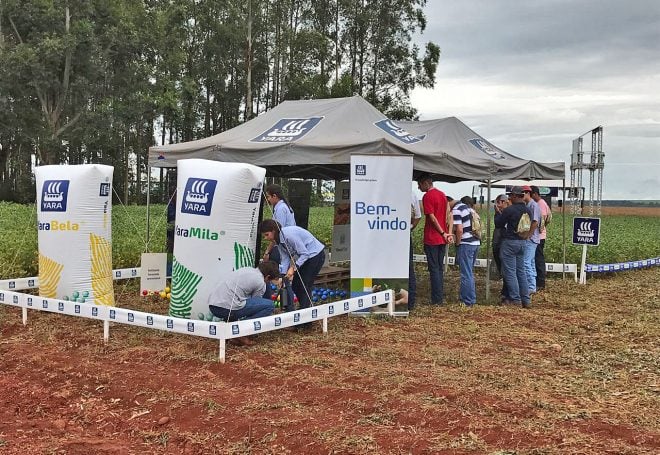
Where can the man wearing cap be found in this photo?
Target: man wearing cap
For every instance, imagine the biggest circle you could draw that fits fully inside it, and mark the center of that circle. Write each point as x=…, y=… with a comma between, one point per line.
x=512, y=250
x=436, y=234
x=539, y=256
x=534, y=238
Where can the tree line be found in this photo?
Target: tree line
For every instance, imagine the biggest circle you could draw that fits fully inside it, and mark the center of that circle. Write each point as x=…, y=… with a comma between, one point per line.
x=99, y=81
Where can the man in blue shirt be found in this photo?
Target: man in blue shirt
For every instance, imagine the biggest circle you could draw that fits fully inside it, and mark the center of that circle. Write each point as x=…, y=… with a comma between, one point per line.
x=512, y=250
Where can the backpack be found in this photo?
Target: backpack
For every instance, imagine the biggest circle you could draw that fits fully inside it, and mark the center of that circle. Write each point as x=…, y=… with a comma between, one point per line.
x=475, y=222
x=524, y=225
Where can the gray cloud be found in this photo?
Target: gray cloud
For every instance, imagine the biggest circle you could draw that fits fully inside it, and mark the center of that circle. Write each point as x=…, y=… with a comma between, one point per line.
x=533, y=75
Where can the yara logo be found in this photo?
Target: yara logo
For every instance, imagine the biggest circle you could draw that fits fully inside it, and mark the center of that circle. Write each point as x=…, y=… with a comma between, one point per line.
x=487, y=148
x=397, y=132
x=288, y=130
x=585, y=229
x=198, y=196
x=54, y=195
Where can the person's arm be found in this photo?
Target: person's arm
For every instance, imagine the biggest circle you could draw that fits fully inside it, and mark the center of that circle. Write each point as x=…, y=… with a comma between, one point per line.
x=269, y=248
x=459, y=233
x=416, y=213
x=414, y=222
x=436, y=225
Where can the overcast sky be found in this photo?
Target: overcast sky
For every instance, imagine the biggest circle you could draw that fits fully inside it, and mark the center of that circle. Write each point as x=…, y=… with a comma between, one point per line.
x=532, y=75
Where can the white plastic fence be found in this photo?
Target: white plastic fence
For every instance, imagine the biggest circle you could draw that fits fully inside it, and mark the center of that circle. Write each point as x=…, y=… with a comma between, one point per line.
x=549, y=267
x=622, y=266
x=221, y=331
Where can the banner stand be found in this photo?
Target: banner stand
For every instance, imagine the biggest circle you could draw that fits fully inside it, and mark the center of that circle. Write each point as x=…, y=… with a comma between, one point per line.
x=380, y=216
x=24, y=316
x=106, y=331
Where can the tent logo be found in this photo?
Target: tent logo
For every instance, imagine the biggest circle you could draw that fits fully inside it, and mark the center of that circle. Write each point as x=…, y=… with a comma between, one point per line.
x=397, y=132
x=360, y=169
x=487, y=148
x=198, y=196
x=288, y=130
x=54, y=194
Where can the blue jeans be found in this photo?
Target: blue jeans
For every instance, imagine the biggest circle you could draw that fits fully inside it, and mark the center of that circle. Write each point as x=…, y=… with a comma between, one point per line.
x=255, y=307
x=530, y=264
x=466, y=256
x=303, y=280
x=412, y=280
x=512, y=254
x=435, y=254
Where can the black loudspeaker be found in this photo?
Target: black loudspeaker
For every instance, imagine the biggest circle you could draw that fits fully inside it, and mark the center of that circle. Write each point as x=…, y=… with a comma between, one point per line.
x=299, y=194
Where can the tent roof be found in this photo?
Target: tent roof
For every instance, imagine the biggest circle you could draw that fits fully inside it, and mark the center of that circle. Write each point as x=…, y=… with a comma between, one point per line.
x=316, y=138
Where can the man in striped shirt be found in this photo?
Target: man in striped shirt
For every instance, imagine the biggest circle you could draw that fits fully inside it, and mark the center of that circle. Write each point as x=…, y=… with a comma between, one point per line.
x=467, y=249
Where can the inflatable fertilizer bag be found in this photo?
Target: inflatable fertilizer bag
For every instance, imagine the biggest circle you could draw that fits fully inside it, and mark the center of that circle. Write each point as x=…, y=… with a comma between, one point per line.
x=74, y=219
x=215, y=229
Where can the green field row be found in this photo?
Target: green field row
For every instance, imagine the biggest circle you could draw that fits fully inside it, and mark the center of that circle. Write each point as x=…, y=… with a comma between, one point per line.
x=623, y=238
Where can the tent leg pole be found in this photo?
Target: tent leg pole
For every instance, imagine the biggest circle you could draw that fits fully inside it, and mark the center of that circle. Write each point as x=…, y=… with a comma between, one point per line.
x=488, y=255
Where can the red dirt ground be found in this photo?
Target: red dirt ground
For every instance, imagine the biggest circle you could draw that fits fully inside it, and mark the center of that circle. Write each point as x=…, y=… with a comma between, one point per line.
x=576, y=374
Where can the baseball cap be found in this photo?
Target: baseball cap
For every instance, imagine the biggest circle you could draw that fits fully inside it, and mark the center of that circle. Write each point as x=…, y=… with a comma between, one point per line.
x=518, y=190
x=535, y=189
x=527, y=188
x=501, y=197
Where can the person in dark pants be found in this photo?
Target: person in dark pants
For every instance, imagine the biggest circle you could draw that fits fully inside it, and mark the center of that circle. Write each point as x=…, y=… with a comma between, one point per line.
x=501, y=202
x=240, y=295
x=302, y=256
x=436, y=234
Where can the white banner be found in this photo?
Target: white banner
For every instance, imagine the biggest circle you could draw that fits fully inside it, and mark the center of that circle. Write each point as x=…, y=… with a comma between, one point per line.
x=217, y=211
x=380, y=217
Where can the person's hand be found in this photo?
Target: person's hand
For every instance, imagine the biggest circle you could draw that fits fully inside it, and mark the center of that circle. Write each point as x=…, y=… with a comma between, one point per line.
x=449, y=238
x=290, y=272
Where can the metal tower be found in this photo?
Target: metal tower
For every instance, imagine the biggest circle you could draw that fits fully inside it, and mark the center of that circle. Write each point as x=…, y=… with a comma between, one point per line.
x=595, y=165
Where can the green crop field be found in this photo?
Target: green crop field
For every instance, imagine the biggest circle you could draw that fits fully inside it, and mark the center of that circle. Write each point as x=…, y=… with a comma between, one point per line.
x=623, y=237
